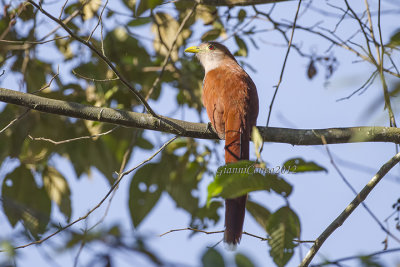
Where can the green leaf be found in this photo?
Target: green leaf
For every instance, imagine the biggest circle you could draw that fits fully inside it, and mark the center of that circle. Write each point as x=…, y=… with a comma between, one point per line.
x=145, y=5
x=395, y=39
x=239, y=178
x=212, y=258
x=130, y=4
x=144, y=143
x=370, y=261
x=139, y=21
x=144, y=191
x=211, y=35
x=283, y=226
x=206, y=215
x=257, y=140
x=176, y=144
x=241, y=15
x=24, y=201
x=296, y=165
x=259, y=213
x=242, y=261
x=182, y=180
x=19, y=132
x=7, y=247
x=243, y=51
x=58, y=190
x=27, y=12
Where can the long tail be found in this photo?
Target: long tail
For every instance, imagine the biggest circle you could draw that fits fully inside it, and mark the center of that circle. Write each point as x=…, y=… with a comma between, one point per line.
x=236, y=148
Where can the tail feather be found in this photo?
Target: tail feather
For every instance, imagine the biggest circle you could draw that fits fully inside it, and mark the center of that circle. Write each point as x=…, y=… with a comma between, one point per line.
x=234, y=218
x=236, y=148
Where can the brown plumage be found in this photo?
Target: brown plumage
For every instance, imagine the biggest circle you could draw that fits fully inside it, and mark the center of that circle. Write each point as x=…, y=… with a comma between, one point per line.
x=230, y=98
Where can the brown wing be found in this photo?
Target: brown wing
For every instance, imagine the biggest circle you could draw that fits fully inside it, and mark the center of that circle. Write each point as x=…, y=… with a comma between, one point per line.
x=230, y=89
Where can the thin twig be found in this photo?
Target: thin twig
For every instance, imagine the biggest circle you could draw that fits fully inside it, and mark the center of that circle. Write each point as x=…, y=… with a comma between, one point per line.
x=122, y=167
x=92, y=79
x=72, y=139
x=371, y=30
x=62, y=9
x=15, y=120
x=22, y=45
x=336, y=262
x=150, y=158
x=382, y=75
x=192, y=229
x=49, y=83
x=266, y=239
x=362, y=195
x=284, y=63
x=83, y=243
x=98, y=22
x=365, y=86
x=221, y=231
x=65, y=21
x=362, y=26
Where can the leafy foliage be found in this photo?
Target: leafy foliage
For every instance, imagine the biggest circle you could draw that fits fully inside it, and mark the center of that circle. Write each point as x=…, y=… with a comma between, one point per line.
x=297, y=165
x=179, y=177
x=239, y=178
x=24, y=201
x=212, y=258
x=242, y=261
x=260, y=213
x=283, y=226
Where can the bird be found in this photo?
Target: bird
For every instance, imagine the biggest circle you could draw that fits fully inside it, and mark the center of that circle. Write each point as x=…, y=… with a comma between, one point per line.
x=231, y=101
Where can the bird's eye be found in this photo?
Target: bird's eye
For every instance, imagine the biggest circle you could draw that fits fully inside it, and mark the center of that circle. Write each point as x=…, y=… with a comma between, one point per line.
x=211, y=47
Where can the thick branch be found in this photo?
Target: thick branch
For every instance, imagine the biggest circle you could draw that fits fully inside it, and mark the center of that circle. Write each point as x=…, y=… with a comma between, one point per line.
x=196, y=130
x=350, y=208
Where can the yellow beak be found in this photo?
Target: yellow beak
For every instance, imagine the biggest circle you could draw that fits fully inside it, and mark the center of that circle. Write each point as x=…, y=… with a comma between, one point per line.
x=192, y=49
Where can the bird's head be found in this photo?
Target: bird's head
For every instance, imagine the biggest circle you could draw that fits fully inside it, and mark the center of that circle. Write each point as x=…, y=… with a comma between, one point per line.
x=211, y=54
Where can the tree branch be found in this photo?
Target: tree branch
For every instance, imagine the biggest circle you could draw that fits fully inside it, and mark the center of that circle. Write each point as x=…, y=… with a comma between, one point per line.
x=350, y=208
x=197, y=130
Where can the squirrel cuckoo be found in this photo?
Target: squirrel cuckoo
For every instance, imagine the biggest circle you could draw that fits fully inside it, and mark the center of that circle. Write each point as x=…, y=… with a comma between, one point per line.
x=230, y=98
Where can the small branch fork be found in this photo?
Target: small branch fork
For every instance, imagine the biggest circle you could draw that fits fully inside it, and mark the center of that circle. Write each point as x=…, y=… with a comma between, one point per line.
x=361, y=196
x=110, y=191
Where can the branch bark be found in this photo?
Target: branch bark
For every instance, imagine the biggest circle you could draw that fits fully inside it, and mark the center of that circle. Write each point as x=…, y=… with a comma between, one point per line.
x=350, y=208
x=197, y=130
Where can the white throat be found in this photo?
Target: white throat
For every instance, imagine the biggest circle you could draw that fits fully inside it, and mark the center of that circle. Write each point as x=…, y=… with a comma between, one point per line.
x=210, y=61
